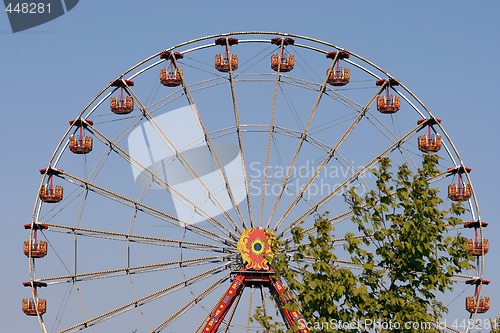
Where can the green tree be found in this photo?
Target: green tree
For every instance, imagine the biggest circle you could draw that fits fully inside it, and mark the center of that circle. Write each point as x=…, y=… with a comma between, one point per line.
x=495, y=324
x=405, y=258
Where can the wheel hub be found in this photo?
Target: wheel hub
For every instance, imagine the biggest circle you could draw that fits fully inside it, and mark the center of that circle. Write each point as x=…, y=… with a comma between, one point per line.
x=255, y=245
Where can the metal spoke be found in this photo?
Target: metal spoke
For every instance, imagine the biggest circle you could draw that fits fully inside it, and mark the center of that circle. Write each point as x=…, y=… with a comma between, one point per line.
x=270, y=136
x=326, y=160
x=145, y=208
x=191, y=303
x=252, y=289
x=336, y=190
x=146, y=299
x=240, y=139
x=175, y=243
x=303, y=138
x=164, y=184
x=341, y=217
x=182, y=158
x=263, y=299
x=211, y=149
x=233, y=310
x=135, y=269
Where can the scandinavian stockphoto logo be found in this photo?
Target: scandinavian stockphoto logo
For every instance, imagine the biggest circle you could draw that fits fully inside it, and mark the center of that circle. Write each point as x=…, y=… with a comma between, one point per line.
x=307, y=180
x=172, y=149
x=26, y=15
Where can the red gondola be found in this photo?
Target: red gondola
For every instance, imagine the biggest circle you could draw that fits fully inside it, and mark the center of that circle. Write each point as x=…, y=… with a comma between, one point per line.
x=123, y=104
x=476, y=304
x=171, y=76
x=386, y=103
x=34, y=306
x=80, y=144
x=431, y=142
x=280, y=61
x=226, y=62
x=459, y=191
x=35, y=248
x=49, y=192
x=338, y=76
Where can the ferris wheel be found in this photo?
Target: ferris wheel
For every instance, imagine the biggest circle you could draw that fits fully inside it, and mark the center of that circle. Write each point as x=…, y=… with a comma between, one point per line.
x=157, y=209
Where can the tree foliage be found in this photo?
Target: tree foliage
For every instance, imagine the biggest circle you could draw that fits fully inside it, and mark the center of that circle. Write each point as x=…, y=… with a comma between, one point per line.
x=402, y=254
x=494, y=323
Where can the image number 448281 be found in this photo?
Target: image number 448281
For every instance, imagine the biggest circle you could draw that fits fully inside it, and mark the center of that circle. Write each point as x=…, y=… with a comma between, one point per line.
x=26, y=15
x=28, y=8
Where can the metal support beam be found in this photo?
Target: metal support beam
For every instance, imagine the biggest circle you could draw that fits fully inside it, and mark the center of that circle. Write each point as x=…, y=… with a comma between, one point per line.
x=245, y=278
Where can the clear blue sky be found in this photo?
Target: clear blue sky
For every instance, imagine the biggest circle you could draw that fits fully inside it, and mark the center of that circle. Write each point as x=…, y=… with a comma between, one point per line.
x=445, y=51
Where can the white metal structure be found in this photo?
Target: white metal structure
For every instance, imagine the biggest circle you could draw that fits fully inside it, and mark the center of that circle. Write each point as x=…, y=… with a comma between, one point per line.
x=145, y=236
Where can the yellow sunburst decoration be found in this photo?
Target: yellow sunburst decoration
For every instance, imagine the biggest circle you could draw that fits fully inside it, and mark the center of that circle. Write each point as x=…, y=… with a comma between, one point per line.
x=254, y=246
